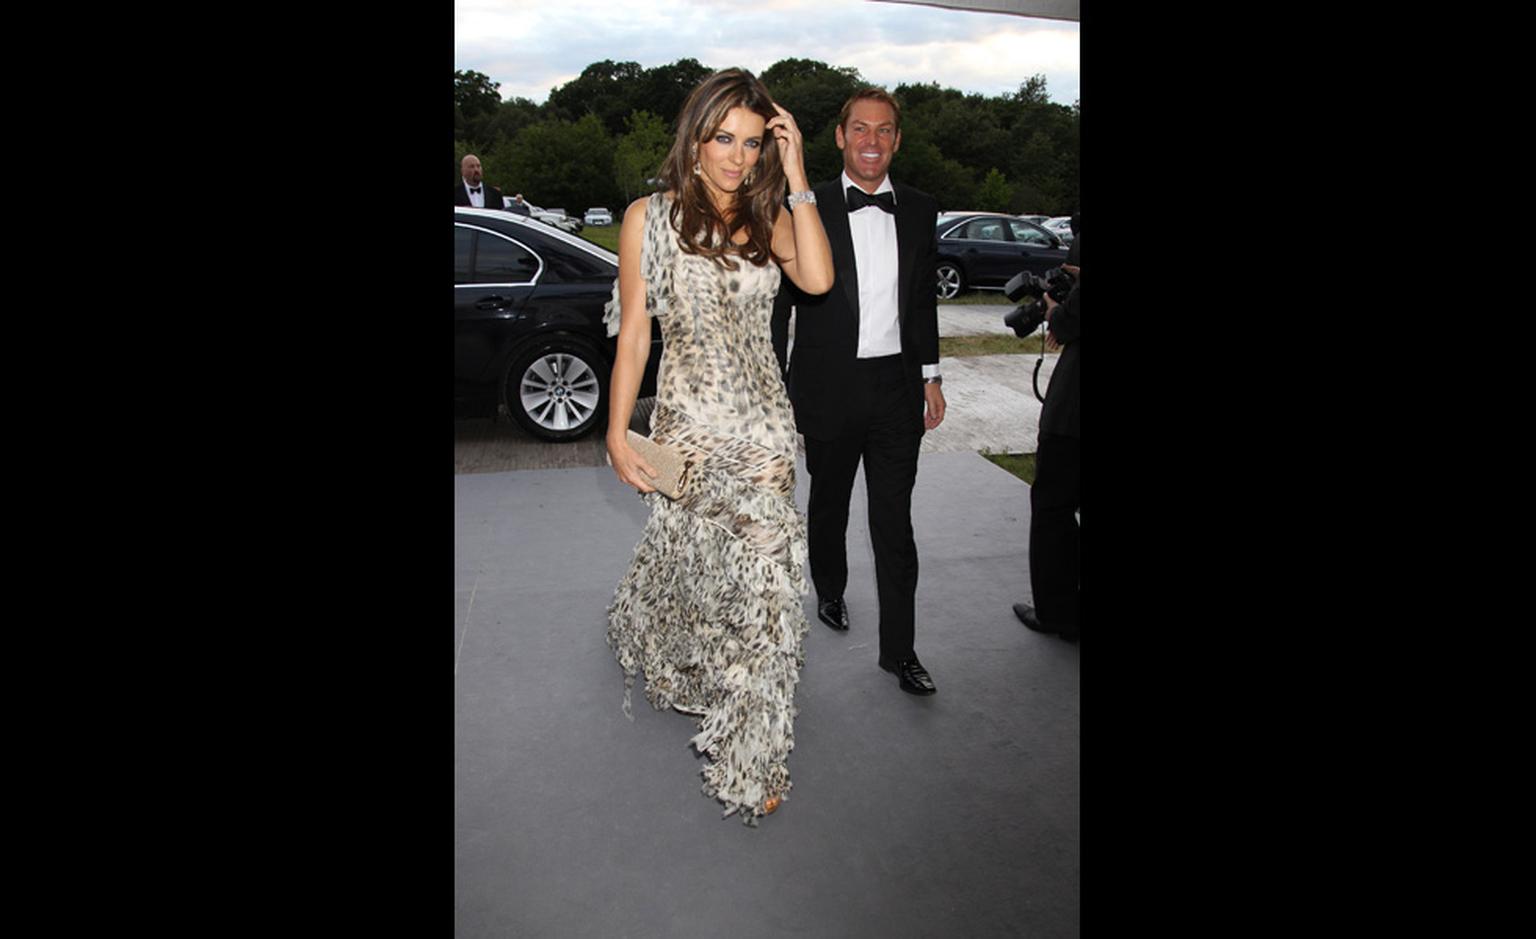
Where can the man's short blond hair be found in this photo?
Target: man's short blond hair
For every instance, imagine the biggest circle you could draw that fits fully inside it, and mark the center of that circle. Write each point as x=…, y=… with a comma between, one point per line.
x=871, y=93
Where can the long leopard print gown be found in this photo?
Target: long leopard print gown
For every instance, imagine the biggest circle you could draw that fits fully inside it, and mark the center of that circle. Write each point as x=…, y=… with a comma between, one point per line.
x=710, y=609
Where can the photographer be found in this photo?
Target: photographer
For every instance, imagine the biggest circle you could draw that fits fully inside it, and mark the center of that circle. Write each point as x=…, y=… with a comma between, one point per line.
x=1056, y=496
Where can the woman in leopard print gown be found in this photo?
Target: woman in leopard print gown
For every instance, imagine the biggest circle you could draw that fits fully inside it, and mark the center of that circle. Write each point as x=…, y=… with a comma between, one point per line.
x=710, y=609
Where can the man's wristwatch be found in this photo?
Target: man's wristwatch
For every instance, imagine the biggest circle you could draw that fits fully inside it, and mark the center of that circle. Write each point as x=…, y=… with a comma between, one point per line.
x=934, y=380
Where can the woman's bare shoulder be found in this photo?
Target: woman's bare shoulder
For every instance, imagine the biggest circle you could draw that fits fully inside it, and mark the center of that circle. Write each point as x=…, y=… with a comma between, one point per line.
x=638, y=208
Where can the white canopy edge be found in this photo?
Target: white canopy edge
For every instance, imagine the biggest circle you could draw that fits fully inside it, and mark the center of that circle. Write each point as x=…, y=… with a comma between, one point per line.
x=1044, y=9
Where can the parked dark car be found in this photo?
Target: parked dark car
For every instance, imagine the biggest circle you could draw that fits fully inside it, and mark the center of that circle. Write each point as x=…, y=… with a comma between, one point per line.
x=984, y=250
x=528, y=324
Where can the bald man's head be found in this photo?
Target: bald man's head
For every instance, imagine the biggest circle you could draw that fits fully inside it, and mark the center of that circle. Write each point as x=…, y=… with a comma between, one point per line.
x=469, y=168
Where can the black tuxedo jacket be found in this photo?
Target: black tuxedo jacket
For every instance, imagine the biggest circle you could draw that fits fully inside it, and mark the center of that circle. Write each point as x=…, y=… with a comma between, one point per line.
x=492, y=195
x=827, y=326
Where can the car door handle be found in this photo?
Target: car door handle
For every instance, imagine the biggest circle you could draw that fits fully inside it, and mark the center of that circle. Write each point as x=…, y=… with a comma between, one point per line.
x=492, y=303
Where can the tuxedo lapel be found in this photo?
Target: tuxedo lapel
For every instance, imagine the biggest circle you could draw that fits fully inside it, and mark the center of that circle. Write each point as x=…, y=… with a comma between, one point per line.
x=906, y=220
x=840, y=238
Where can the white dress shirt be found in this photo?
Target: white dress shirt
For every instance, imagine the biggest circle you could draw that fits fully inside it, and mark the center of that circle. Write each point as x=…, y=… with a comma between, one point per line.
x=476, y=199
x=875, y=254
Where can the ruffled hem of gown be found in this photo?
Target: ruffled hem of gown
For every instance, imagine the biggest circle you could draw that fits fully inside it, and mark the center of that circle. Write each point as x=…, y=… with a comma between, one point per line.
x=717, y=629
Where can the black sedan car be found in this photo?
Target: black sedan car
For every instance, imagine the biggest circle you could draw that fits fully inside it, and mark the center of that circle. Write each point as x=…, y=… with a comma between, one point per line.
x=528, y=324
x=984, y=250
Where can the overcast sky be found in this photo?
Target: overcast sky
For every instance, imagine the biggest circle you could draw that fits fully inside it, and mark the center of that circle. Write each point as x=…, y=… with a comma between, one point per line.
x=533, y=46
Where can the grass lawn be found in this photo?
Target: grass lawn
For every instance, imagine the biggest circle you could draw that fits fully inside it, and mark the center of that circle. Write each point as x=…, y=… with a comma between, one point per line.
x=989, y=344
x=1021, y=465
x=604, y=236
x=994, y=297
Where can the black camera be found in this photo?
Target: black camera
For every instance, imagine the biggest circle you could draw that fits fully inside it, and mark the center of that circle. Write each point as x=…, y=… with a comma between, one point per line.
x=1032, y=289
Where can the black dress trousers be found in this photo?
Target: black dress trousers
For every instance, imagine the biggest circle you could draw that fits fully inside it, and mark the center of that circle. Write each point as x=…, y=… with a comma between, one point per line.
x=883, y=431
x=1054, y=501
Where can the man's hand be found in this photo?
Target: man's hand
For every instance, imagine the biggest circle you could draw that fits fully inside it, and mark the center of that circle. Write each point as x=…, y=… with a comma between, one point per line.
x=1051, y=345
x=933, y=397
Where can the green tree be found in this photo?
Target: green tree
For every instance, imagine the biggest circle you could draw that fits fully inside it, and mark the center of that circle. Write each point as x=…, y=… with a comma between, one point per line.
x=952, y=143
x=637, y=156
x=1032, y=91
x=1043, y=149
x=1039, y=164
x=508, y=120
x=822, y=158
x=560, y=163
x=915, y=98
x=921, y=163
x=475, y=95
x=664, y=88
x=994, y=194
x=608, y=89
x=480, y=117
x=965, y=127
x=812, y=91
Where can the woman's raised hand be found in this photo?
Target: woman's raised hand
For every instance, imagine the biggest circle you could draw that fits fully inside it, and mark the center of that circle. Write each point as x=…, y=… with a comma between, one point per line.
x=791, y=148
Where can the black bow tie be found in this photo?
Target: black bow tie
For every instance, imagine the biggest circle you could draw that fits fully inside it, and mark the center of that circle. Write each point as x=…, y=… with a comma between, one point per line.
x=476, y=189
x=858, y=199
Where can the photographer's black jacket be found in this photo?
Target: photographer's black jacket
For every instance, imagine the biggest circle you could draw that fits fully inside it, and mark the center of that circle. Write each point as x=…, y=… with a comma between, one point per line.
x=1062, y=413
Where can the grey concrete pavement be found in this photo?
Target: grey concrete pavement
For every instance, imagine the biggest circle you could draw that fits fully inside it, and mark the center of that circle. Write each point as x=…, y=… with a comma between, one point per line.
x=960, y=319
x=950, y=815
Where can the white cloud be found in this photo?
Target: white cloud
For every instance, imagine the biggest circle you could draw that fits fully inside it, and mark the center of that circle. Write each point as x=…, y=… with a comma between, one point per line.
x=533, y=46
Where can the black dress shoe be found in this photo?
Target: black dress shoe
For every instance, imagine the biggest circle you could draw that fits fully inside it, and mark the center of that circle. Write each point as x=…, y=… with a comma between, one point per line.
x=1026, y=615
x=913, y=677
x=834, y=613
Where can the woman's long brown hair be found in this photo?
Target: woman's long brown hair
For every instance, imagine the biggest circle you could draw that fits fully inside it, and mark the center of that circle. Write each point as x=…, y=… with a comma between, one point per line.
x=702, y=228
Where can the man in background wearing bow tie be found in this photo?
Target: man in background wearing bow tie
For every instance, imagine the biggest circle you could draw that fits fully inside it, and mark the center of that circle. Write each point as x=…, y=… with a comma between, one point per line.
x=864, y=377
x=472, y=190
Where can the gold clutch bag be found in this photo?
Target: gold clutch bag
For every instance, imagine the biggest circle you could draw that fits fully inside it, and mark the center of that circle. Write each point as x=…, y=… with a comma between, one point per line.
x=665, y=460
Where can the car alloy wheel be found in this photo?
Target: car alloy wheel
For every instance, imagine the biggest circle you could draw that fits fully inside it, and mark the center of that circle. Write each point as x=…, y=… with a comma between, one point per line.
x=556, y=389
x=950, y=280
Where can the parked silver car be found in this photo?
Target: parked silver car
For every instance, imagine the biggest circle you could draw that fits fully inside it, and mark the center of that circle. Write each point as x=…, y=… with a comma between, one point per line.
x=1061, y=227
x=598, y=216
x=556, y=217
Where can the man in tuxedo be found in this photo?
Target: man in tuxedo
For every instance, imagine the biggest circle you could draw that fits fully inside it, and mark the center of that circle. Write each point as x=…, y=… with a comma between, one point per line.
x=865, y=368
x=472, y=190
x=1057, y=495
